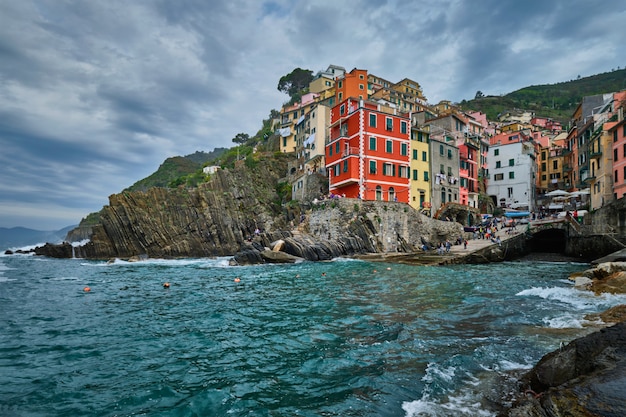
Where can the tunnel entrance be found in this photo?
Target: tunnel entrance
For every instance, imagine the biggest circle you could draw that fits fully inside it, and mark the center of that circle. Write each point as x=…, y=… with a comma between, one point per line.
x=549, y=241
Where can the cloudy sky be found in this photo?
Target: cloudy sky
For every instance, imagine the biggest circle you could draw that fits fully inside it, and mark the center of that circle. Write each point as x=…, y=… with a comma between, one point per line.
x=95, y=95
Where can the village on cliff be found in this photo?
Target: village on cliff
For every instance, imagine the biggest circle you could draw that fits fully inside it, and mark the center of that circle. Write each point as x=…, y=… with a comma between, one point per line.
x=375, y=139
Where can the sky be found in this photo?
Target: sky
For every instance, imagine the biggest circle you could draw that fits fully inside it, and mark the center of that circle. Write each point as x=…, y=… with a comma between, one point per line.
x=95, y=95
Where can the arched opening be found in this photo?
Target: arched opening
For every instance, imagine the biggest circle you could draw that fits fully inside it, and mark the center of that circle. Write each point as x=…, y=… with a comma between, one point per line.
x=379, y=193
x=392, y=194
x=549, y=241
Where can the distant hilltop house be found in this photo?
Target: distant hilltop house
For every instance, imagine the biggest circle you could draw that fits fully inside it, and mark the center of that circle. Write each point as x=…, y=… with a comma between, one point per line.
x=358, y=135
x=211, y=169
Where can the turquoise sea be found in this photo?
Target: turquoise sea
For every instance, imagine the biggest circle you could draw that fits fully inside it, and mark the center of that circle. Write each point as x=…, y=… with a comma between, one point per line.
x=339, y=338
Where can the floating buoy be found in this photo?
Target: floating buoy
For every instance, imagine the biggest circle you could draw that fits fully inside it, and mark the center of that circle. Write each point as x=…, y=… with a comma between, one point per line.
x=388, y=269
x=323, y=274
x=237, y=279
x=166, y=285
x=86, y=289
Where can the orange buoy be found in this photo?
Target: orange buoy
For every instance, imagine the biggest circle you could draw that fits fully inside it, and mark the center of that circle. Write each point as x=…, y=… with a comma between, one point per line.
x=86, y=289
x=237, y=279
x=166, y=285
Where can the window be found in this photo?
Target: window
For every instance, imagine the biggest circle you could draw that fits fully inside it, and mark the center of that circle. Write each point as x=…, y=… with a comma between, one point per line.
x=440, y=149
x=337, y=147
x=361, y=87
x=510, y=192
x=404, y=150
x=389, y=123
x=345, y=166
x=403, y=127
x=555, y=164
x=424, y=156
x=420, y=137
x=498, y=177
x=415, y=175
x=449, y=172
x=615, y=175
x=543, y=177
x=389, y=146
x=340, y=96
x=372, y=143
x=342, y=109
x=496, y=152
x=624, y=150
x=415, y=154
x=403, y=172
x=379, y=192
x=336, y=168
x=543, y=166
x=372, y=120
x=615, y=154
x=372, y=167
x=449, y=153
x=498, y=165
x=425, y=175
x=330, y=150
x=441, y=170
x=543, y=155
x=511, y=175
x=388, y=169
x=511, y=162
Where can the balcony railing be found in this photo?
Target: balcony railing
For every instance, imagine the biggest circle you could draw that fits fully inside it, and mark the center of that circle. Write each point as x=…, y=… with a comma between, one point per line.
x=350, y=152
x=595, y=154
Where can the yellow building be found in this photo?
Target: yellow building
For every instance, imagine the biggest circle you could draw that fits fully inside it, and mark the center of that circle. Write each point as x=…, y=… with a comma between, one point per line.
x=291, y=115
x=419, y=192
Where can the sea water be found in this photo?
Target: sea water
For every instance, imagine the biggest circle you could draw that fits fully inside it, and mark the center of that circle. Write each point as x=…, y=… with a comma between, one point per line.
x=339, y=338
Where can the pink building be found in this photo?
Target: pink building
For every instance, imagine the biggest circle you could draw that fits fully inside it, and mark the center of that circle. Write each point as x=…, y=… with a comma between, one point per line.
x=617, y=129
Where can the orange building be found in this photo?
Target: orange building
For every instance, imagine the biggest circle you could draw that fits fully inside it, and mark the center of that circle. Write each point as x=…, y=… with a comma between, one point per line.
x=367, y=153
x=351, y=84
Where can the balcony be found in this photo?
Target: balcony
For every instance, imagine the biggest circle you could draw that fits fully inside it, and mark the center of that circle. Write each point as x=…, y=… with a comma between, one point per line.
x=567, y=168
x=593, y=154
x=352, y=151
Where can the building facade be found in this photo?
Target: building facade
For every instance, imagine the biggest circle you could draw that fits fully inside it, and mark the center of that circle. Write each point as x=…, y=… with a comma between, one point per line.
x=444, y=166
x=367, y=152
x=513, y=170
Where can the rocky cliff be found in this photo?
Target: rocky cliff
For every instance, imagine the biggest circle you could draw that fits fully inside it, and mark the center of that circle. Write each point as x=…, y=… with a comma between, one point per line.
x=220, y=217
x=213, y=219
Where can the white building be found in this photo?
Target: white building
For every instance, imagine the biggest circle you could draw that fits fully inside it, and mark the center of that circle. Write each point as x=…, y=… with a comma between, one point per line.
x=512, y=172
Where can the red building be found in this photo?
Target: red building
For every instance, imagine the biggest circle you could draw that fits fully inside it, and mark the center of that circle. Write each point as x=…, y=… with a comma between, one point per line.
x=367, y=152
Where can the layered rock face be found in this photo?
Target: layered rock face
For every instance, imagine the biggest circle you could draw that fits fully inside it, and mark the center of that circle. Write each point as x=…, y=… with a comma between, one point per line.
x=213, y=219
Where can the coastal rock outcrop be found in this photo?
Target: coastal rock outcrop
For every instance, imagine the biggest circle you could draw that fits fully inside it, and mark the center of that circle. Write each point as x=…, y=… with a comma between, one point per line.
x=585, y=378
x=239, y=212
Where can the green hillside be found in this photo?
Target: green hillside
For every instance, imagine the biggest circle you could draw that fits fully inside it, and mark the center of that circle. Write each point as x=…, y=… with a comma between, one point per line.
x=557, y=101
x=176, y=167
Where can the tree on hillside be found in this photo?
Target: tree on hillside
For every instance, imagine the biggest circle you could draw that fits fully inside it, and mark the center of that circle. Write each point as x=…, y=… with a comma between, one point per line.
x=241, y=138
x=296, y=82
x=479, y=94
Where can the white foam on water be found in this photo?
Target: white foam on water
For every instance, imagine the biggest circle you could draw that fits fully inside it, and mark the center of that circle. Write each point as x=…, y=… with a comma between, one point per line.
x=463, y=404
x=436, y=372
x=580, y=299
x=221, y=262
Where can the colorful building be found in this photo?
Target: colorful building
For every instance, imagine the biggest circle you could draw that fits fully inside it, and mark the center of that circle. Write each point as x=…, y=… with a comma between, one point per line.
x=420, y=167
x=367, y=152
x=618, y=133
